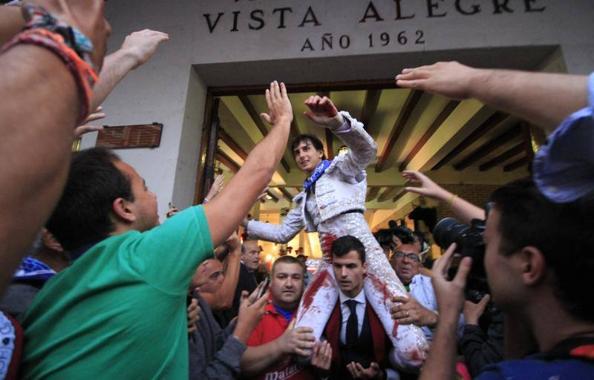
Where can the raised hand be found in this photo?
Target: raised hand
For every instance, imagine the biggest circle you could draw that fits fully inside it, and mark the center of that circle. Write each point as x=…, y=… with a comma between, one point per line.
x=322, y=111
x=142, y=45
x=87, y=128
x=450, y=294
x=473, y=311
x=279, y=105
x=425, y=186
x=450, y=79
x=215, y=188
x=251, y=309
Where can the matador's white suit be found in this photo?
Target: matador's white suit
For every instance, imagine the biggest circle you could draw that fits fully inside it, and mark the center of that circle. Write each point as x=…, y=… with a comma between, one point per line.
x=334, y=207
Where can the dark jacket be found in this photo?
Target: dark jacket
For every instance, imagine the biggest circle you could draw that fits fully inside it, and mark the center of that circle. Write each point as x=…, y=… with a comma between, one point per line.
x=247, y=282
x=481, y=349
x=372, y=333
x=214, y=353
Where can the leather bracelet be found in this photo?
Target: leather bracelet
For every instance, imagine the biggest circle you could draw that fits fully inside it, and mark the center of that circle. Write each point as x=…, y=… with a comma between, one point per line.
x=84, y=75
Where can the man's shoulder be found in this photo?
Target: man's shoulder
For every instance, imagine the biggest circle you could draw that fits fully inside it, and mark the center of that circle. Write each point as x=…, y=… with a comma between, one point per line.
x=422, y=281
x=421, y=278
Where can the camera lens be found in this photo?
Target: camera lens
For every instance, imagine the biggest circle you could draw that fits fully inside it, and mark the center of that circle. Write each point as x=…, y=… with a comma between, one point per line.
x=448, y=231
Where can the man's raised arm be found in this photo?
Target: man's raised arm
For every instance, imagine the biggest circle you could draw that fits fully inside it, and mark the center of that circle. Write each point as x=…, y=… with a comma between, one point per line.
x=136, y=50
x=544, y=99
x=11, y=22
x=226, y=211
x=38, y=113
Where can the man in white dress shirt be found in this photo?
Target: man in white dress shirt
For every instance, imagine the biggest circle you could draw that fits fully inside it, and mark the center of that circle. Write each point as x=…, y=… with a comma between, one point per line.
x=358, y=340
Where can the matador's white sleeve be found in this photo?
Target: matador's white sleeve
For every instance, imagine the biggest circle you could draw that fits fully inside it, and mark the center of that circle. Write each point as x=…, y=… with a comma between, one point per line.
x=278, y=233
x=362, y=148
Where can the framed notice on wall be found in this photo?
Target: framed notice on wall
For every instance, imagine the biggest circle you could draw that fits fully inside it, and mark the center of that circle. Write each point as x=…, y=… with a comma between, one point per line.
x=130, y=136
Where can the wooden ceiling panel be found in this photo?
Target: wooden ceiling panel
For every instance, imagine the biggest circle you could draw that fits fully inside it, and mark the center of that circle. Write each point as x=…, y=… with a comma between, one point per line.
x=503, y=157
x=488, y=125
x=420, y=140
x=351, y=101
x=499, y=151
x=234, y=129
x=399, y=126
x=390, y=104
x=484, y=150
x=522, y=162
x=418, y=122
x=229, y=152
x=370, y=106
x=372, y=192
x=461, y=122
x=388, y=193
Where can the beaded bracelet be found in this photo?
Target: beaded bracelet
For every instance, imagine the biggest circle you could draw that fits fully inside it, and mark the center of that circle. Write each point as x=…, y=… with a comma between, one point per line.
x=84, y=75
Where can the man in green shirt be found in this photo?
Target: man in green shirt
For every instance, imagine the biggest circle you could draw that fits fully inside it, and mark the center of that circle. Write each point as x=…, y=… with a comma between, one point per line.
x=119, y=311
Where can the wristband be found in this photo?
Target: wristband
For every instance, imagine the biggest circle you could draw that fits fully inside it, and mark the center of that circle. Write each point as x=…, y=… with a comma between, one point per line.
x=84, y=75
x=37, y=17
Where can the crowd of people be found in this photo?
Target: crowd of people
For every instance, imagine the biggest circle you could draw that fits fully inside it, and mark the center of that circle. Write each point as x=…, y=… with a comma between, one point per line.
x=91, y=284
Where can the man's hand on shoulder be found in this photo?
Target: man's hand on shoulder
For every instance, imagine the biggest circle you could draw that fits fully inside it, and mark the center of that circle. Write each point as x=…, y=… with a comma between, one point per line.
x=298, y=341
x=408, y=310
x=322, y=356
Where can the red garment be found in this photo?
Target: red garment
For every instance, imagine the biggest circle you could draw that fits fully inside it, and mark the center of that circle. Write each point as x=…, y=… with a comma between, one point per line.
x=271, y=326
x=378, y=335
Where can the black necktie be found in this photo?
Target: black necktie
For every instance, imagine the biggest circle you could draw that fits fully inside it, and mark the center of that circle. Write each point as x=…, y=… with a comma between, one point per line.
x=352, y=330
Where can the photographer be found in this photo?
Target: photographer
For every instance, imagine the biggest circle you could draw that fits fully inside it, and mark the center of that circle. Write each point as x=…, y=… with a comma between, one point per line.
x=537, y=259
x=538, y=234
x=480, y=343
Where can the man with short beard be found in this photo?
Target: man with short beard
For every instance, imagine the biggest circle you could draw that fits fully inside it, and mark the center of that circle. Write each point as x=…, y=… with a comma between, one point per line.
x=274, y=343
